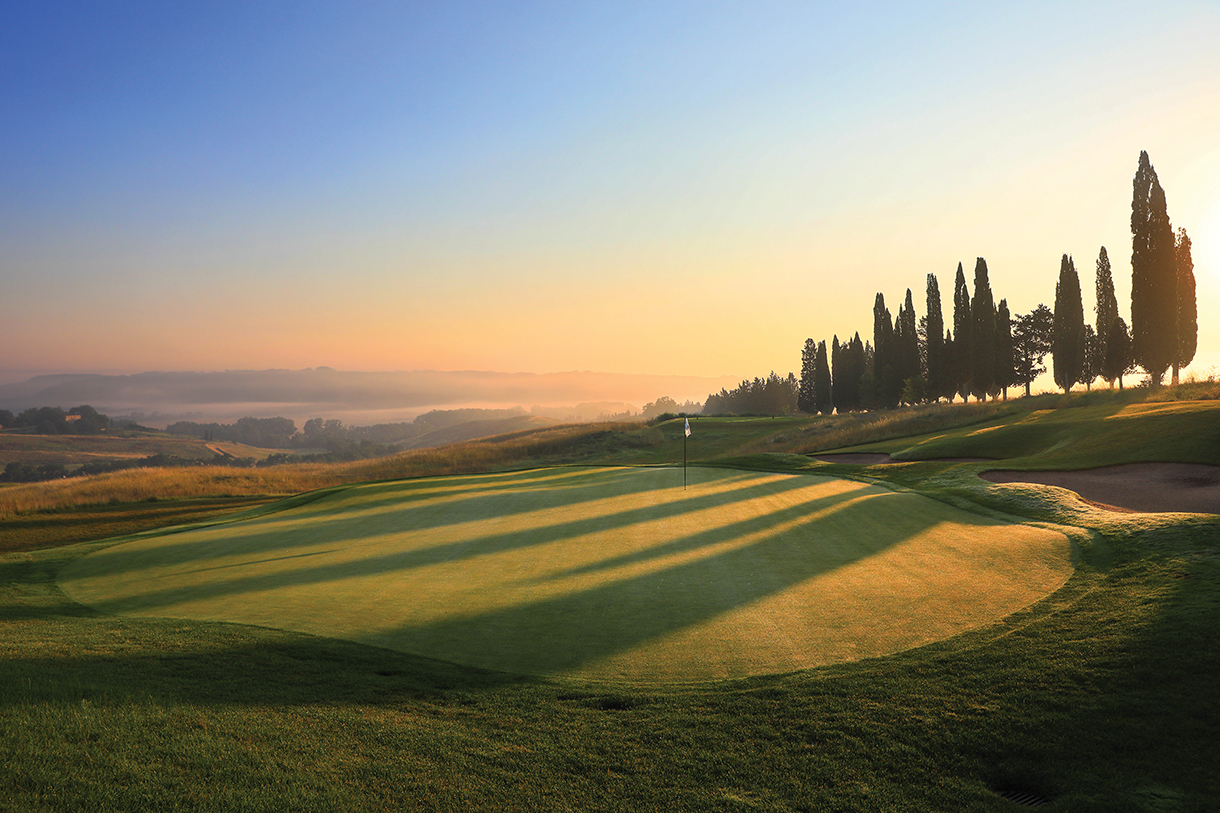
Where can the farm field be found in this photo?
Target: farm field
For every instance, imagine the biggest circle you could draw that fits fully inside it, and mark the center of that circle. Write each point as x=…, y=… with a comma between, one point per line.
x=1096, y=695
x=74, y=450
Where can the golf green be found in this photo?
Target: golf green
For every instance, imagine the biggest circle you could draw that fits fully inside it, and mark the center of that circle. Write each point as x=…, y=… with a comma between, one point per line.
x=598, y=573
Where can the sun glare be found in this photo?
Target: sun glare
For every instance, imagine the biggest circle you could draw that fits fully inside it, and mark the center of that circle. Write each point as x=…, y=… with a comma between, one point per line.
x=1205, y=248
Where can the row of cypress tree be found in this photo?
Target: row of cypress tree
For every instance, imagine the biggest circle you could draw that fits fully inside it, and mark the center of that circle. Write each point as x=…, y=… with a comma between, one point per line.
x=916, y=360
x=1164, y=314
x=987, y=350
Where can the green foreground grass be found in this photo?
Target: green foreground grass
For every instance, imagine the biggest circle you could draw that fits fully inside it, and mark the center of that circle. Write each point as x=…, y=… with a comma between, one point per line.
x=1099, y=697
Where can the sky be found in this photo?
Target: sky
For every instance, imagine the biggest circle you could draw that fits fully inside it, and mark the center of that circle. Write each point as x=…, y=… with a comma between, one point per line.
x=649, y=188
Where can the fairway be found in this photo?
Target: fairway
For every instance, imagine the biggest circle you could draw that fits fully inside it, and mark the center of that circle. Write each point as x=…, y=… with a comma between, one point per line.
x=598, y=573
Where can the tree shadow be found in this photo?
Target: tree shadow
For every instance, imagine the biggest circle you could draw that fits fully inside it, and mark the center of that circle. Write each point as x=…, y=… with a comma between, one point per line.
x=118, y=561
x=561, y=634
x=611, y=607
x=1124, y=705
x=255, y=667
x=329, y=517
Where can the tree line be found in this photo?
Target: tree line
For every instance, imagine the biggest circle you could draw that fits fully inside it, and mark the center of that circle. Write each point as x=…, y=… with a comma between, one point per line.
x=986, y=349
x=331, y=433
x=79, y=420
x=772, y=395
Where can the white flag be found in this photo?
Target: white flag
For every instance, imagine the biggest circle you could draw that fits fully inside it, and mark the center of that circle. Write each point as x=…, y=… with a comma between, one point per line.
x=688, y=427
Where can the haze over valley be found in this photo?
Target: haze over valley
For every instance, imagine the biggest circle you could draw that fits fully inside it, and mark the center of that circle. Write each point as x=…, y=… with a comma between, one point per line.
x=160, y=398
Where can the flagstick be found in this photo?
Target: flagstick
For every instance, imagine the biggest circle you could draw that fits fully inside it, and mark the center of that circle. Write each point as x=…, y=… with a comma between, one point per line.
x=684, y=435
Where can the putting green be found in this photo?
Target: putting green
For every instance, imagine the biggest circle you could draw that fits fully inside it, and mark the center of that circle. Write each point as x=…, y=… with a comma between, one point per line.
x=599, y=573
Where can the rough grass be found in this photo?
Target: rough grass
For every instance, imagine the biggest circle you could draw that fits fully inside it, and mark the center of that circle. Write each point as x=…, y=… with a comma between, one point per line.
x=1077, y=438
x=607, y=574
x=41, y=529
x=568, y=443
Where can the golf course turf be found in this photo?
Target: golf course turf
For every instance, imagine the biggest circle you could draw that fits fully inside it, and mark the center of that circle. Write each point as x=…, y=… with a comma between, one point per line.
x=605, y=574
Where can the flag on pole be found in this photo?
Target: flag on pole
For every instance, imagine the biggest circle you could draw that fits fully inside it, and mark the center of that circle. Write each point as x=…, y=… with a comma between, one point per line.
x=684, y=437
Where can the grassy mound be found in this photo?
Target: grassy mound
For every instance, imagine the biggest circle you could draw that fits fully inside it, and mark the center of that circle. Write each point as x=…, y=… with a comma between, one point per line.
x=1076, y=438
x=608, y=574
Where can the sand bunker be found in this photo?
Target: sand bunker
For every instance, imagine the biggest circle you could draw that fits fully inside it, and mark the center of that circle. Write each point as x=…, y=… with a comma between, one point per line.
x=1136, y=487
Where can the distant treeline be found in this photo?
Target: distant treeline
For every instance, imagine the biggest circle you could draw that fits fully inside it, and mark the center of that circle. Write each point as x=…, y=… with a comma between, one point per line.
x=80, y=420
x=762, y=396
x=331, y=434
x=665, y=406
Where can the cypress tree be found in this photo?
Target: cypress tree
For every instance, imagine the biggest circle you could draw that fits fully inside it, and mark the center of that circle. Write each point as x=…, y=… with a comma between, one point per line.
x=1118, y=352
x=1154, y=318
x=982, y=338
x=909, y=345
x=857, y=372
x=822, y=393
x=847, y=381
x=935, y=353
x=867, y=394
x=837, y=373
x=1067, y=343
x=1106, y=307
x=805, y=398
x=898, y=348
x=961, y=335
x=1188, y=313
x=949, y=349
x=1004, y=368
x=884, y=362
x=1090, y=365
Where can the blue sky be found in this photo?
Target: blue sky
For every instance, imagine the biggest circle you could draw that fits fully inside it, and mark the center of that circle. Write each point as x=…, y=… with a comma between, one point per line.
x=671, y=188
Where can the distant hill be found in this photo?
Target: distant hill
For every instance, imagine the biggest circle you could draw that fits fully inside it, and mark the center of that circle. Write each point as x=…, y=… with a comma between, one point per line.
x=357, y=398
x=473, y=430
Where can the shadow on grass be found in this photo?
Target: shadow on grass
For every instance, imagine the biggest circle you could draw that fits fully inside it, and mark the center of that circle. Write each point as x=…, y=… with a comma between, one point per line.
x=28, y=591
x=609, y=607
x=223, y=664
x=120, y=560
x=350, y=513
x=734, y=564
x=1118, y=708
x=69, y=526
x=563, y=633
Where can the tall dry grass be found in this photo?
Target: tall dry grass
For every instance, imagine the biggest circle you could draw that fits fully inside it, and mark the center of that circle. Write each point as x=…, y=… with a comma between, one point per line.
x=516, y=449
x=858, y=428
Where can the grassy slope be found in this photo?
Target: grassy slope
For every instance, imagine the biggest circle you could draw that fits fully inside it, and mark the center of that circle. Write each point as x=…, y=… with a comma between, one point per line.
x=77, y=449
x=30, y=531
x=472, y=430
x=1102, y=697
x=1085, y=437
